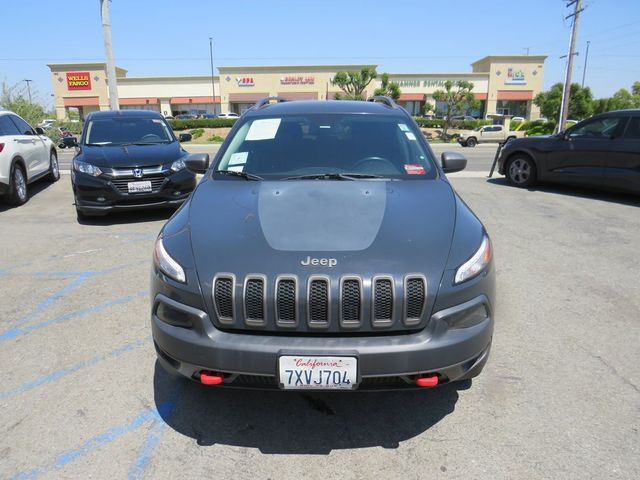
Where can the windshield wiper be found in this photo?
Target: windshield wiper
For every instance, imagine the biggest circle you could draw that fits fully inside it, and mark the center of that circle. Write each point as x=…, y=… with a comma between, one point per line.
x=233, y=173
x=335, y=176
x=139, y=143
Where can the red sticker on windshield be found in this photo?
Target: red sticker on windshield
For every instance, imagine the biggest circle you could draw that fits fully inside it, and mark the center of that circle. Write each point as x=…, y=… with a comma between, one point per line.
x=414, y=169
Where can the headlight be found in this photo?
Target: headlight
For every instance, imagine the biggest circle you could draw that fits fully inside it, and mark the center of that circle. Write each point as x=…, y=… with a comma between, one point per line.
x=87, y=168
x=476, y=263
x=178, y=165
x=166, y=264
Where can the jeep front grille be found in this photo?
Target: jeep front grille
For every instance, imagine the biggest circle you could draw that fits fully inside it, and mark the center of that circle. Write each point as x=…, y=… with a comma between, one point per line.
x=320, y=304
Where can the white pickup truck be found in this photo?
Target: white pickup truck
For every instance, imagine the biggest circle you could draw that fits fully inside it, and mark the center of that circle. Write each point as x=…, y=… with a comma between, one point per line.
x=487, y=133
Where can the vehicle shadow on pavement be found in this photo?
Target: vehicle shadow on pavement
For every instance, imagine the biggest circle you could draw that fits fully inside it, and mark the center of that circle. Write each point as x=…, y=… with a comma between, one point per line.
x=121, y=218
x=277, y=422
x=33, y=188
x=576, y=191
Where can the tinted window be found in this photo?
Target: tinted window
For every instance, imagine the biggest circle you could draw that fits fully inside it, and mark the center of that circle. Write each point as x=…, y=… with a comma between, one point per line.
x=314, y=144
x=23, y=127
x=600, y=128
x=633, y=129
x=7, y=127
x=129, y=130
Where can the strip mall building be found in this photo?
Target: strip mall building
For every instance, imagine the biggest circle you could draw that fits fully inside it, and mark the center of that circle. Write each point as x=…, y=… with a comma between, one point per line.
x=503, y=84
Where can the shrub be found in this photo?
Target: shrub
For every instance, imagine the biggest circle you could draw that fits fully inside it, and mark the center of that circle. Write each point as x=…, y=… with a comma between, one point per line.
x=190, y=123
x=197, y=133
x=215, y=139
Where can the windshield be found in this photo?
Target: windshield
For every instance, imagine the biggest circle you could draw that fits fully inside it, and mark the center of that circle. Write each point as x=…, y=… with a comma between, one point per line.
x=328, y=146
x=127, y=130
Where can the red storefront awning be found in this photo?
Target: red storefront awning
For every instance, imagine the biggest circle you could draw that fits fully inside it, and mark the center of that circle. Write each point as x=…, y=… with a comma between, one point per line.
x=515, y=94
x=298, y=95
x=412, y=97
x=138, y=101
x=246, y=97
x=196, y=99
x=480, y=96
x=81, y=101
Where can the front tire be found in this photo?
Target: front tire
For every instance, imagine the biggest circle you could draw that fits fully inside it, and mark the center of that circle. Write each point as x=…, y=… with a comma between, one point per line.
x=54, y=168
x=471, y=142
x=521, y=171
x=18, y=192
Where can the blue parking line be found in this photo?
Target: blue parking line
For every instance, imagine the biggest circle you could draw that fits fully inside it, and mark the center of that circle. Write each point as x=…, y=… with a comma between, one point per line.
x=150, y=442
x=101, y=440
x=50, y=377
x=81, y=278
x=16, y=332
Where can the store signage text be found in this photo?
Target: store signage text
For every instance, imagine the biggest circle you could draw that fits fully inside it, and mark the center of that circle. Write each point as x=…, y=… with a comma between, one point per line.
x=245, y=81
x=297, y=80
x=515, y=77
x=420, y=83
x=78, y=81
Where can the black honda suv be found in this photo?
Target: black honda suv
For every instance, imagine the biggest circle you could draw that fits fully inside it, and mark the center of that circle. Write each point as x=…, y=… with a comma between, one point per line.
x=128, y=159
x=324, y=249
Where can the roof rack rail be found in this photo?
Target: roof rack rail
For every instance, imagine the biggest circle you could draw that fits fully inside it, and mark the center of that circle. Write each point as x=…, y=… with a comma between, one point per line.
x=268, y=100
x=388, y=101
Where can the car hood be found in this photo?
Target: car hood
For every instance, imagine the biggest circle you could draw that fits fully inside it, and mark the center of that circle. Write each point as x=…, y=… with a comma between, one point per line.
x=367, y=227
x=131, y=155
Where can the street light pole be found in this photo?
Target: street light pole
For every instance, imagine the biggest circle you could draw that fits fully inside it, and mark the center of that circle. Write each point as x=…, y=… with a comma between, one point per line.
x=584, y=70
x=111, y=68
x=28, y=88
x=213, y=85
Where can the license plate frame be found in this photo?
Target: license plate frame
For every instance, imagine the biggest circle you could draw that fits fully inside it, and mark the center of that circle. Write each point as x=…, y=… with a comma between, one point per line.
x=317, y=372
x=143, y=186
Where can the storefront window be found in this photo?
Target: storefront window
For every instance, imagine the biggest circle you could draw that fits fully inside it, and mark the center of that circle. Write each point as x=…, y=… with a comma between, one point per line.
x=515, y=108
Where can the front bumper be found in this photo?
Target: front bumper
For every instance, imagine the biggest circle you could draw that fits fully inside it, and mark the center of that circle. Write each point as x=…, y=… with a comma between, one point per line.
x=191, y=344
x=98, y=195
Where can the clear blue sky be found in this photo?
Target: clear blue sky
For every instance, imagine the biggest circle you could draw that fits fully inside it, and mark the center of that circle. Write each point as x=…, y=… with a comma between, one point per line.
x=169, y=37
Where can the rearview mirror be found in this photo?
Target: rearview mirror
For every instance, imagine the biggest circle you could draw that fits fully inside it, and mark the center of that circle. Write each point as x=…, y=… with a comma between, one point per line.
x=453, y=162
x=197, y=162
x=184, y=137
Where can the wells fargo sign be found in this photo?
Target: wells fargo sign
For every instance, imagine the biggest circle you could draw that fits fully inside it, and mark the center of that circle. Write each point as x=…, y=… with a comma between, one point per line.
x=78, y=81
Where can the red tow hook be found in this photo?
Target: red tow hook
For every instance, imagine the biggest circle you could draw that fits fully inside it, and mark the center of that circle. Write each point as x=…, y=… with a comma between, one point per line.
x=211, y=378
x=430, y=380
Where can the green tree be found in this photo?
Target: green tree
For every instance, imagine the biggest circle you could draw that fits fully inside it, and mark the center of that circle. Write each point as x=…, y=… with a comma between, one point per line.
x=457, y=97
x=428, y=107
x=388, y=88
x=353, y=83
x=17, y=103
x=580, y=102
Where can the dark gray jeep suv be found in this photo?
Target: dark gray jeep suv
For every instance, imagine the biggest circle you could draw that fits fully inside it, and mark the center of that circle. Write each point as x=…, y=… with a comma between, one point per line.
x=324, y=249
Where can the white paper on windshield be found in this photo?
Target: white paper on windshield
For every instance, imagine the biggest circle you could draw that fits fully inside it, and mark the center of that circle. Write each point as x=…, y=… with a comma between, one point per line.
x=235, y=168
x=410, y=135
x=263, y=129
x=238, y=158
x=403, y=127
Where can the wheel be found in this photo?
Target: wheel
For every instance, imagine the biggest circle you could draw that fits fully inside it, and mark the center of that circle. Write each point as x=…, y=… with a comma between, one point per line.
x=521, y=171
x=510, y=138
x=471, y=142
x=18, y=194
x=54, y=169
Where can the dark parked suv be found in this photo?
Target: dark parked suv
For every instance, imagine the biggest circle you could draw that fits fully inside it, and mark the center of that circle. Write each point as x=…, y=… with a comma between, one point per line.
x=324, y=249
x=602, y=152
x=128, y=159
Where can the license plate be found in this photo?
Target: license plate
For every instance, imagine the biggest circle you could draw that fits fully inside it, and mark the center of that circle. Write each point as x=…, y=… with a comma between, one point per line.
x=139, y=187
x=299, y=372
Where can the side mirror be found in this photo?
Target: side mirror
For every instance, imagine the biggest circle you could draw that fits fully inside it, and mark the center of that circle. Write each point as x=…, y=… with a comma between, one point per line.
x=39, y=131
x=70, y=142
x=453, y=162
x=197, y=162
x=184, y=137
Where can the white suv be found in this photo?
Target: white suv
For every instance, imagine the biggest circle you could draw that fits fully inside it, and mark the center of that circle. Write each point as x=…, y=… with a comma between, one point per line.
x=26, y=155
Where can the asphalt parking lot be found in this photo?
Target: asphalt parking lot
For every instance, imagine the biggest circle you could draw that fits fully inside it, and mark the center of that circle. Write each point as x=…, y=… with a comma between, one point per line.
x=82, y=396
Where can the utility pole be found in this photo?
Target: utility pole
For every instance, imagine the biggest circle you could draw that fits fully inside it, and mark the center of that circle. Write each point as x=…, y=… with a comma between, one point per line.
x=564, y=108
x=213, y=85
x=28, y=88
x=584, y=69
x=111, y=68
